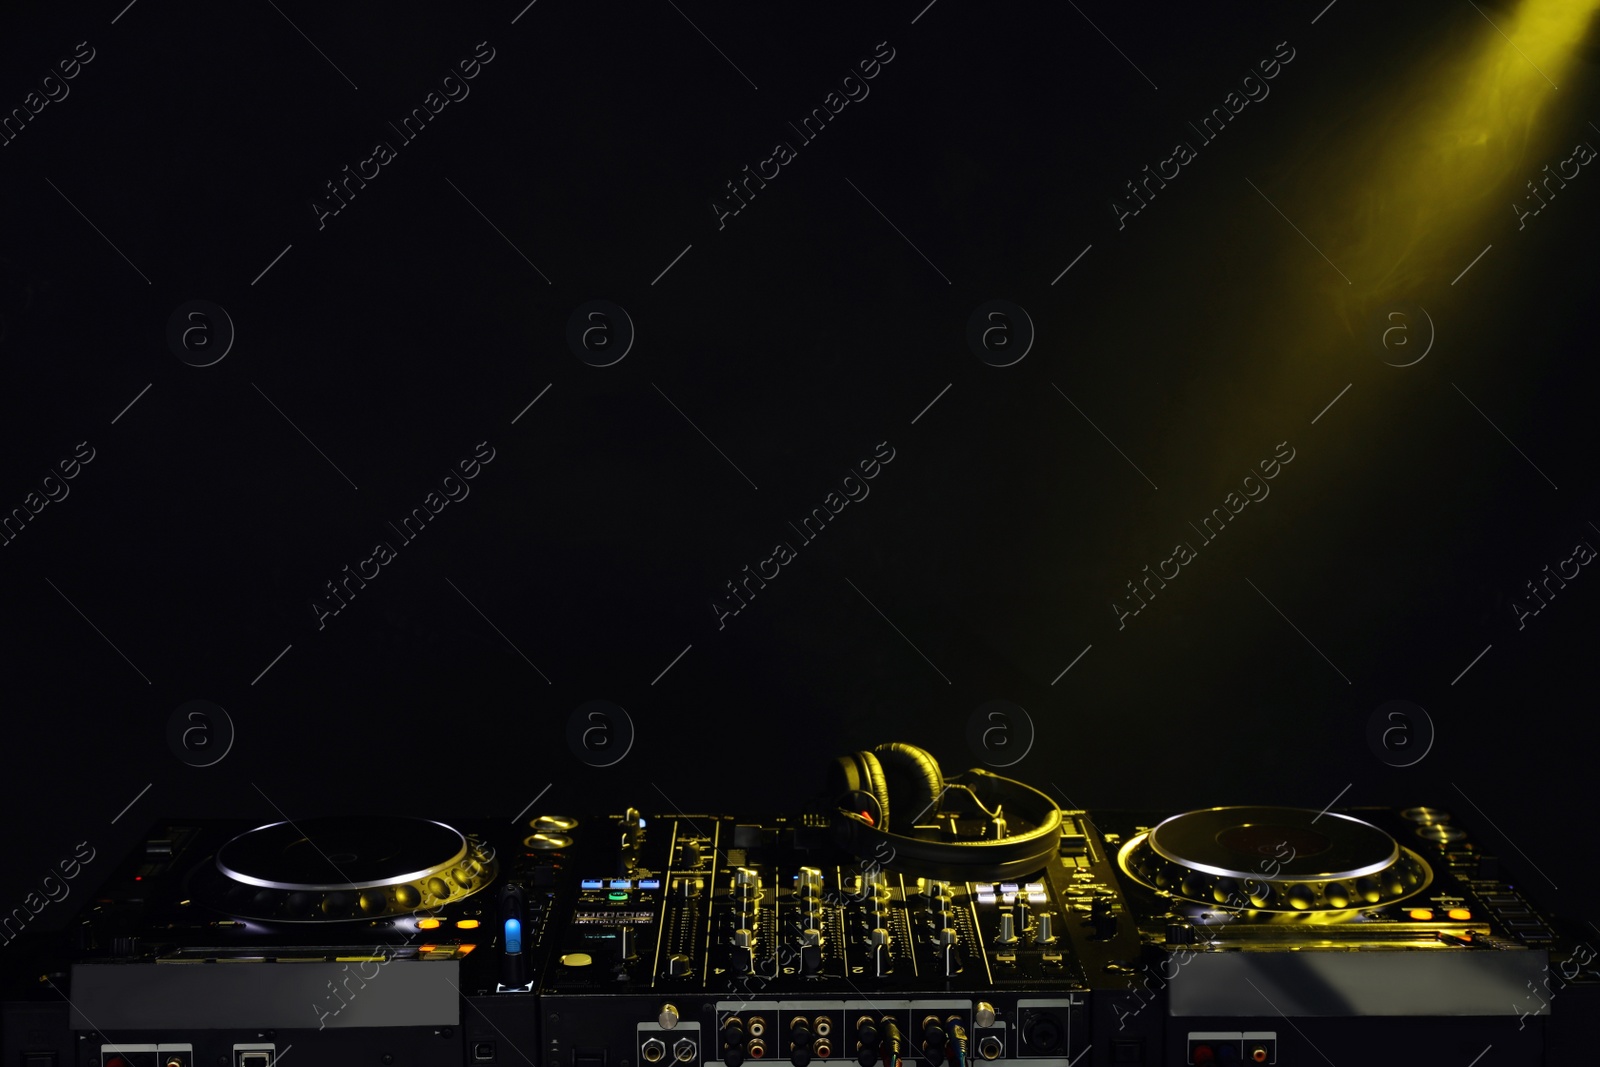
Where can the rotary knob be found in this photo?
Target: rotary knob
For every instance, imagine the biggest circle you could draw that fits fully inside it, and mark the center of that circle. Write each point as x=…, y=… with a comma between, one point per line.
x=668, y=1017
x=1047, y=933
x=809, y=882
x=746, y=881
x=678, y=965
x=1008, y=929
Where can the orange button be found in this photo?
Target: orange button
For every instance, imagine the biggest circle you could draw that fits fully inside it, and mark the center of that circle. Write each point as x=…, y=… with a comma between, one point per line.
x=1422, y=915
x=1460, y=915
x=427, y=924
x=467, y=924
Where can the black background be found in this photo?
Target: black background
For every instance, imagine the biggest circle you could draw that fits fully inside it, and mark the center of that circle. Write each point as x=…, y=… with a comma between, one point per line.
x=797, y=338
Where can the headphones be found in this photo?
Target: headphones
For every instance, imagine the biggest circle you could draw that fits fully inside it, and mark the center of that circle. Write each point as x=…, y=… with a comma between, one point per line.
x=866, y=824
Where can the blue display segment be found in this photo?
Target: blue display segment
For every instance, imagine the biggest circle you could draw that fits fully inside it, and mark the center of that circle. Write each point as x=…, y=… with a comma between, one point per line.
x=513, y=935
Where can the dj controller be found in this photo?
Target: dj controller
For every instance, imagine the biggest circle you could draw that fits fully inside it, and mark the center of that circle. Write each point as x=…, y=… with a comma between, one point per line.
x=974, y=920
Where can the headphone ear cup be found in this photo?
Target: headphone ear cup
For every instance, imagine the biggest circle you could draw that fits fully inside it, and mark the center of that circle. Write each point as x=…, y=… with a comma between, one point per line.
x=875, y=783
x=911, y=768
x=858, y=781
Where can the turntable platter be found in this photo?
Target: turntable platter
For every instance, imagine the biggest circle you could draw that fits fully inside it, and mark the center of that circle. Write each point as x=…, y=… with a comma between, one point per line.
x=340, y=853
x=326, y=869
x=1275, y=859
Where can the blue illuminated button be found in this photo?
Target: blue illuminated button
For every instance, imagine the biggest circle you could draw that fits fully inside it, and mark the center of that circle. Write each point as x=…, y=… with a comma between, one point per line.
x=621, y=883
x=592, y=883
x=649, y=883
x=513, y=935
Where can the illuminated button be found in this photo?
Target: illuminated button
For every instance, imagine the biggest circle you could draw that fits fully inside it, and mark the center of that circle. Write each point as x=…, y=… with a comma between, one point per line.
x=649, y=883
x=1008, y=887
x=1460, y=915
x=548, y=842
x=1422, y=915
x=427, y=924
x=576, y=959
x=621, y=883
x=513, y=935
x=986, y=894
x=467, y=924
x=592, y=883
x=618, y=896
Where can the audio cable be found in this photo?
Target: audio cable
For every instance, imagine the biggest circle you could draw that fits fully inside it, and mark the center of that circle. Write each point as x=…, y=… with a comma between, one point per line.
x=958, y=1037
x=891, y=1043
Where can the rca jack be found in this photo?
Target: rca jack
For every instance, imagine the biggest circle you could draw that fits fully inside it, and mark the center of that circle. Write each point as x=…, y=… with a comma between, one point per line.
x=654, y=1050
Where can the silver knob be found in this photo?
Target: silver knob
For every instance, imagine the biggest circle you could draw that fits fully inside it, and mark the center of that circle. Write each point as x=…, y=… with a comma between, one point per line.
x=809, y=882
x=983, y=1014
x=1047, y=934
x=950, y=952
x=1008, y=928
x=668, y=1017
